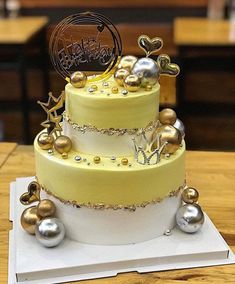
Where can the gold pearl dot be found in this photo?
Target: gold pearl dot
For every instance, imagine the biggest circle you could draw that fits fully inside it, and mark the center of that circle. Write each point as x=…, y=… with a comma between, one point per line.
x=64, y=155
x=94, y=87
x=124, y=161
x=114, y=90
x=96, y=159
x=148, y=88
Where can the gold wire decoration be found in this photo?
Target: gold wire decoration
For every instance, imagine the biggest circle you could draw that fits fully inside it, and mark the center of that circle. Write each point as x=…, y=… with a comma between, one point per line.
x=82, y=40
x=52, y=123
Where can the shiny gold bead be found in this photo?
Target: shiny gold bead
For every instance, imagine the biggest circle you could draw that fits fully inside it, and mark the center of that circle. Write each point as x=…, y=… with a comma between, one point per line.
x=148, y=88
x=190, y=195
x=45, y=141
x=29, y=218
x=120, y=75
x=167, y=116
x=78, y=79
x=124, y=161
x=96, y=159
x=169, y=134
x=94, y=87
x=64, y=155
x=63, y=144
x=127, y=62
x=132, y=83
x=114, y=90
x=46, y=208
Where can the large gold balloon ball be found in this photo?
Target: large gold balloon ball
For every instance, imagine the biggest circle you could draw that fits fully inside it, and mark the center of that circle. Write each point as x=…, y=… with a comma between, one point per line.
x=168, y=134
x=46, y=208
x=190, y=195
x=120, y=76
x=78, y=79
x=63, y=144
x=167, y=116
x=132, y=83
x=127, y=62
x=29, y=218
x=45, y=141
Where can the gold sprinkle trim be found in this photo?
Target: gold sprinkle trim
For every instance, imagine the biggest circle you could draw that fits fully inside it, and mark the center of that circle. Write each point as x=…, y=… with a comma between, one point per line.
x=102, y=206
x=111, y=131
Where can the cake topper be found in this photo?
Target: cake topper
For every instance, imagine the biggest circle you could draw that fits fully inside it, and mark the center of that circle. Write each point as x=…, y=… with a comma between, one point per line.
x=85, y=41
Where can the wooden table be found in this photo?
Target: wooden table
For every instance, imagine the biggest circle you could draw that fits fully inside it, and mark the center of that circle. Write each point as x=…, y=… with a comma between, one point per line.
x=213, y=173
x=15, y=36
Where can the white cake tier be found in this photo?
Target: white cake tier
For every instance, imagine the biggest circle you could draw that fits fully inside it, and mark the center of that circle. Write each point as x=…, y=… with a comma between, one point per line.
x=96, y=143
x=117, y=227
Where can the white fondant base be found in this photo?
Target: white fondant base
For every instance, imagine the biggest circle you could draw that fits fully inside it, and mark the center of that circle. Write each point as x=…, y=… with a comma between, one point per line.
x=116, y=227
x=31, y=263
x=95, y=143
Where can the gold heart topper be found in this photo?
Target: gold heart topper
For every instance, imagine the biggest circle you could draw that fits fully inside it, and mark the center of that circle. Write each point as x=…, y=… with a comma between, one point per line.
x=166, y=67
x=32, y=195
x=150, y=45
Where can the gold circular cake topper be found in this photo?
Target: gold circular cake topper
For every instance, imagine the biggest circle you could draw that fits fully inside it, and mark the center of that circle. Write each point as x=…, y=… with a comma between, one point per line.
x=85, y=42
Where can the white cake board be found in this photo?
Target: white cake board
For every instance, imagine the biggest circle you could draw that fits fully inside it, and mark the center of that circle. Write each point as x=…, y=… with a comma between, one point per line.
x=31, y=263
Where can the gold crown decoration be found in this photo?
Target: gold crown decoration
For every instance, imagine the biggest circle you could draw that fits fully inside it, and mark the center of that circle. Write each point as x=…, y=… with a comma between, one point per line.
x=144, y=154
x=52, y=123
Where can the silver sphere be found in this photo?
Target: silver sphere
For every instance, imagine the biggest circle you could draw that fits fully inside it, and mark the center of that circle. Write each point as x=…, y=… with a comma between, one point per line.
x=190, y=218
x=50, y=232
x=148, y=70
x=180, y=126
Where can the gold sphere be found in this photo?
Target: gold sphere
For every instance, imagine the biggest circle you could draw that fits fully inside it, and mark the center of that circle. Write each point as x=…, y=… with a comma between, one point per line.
x=78, y=79
x=96, y=159
x=190, y=195
x=63, y=144
x=124, y=161
x=45, y=141
x=46, y=208
x=167, y=116
x=120, y=75
x=127, y=62
x=94, y=87
x=132, y=83
x=114, y=90
x=168, y=134
x=29, y=218
x=148, y=87
x=64, y=155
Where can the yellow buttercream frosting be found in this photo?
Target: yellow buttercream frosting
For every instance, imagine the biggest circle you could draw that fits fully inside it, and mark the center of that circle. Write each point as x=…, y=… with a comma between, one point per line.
x=107, y=182
x=103, y=109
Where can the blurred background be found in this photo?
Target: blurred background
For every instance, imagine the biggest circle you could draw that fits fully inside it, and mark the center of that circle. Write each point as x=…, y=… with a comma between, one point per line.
x=199, y=35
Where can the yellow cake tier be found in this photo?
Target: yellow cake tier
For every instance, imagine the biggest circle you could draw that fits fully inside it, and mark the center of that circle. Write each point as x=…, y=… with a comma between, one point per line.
x=108, y=182
x=104, y=109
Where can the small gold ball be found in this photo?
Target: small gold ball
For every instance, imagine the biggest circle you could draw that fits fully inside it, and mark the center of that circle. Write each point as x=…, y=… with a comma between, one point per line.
x=124, y=161
x=45, y=141
x=167, y=116
x=64, y=155
x=96, y=159
x=127, y=62
x=63, y=144
x=190, y=195
x=114, y=90
x=148, y=87
x=29, y=218
x=132, y=83
x=94, y=87
x=120, y=75
x=169, y=134
x=46, y=208
x=78, y=79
